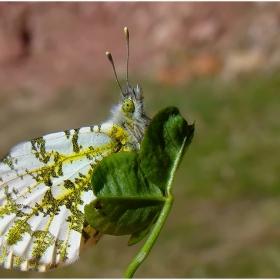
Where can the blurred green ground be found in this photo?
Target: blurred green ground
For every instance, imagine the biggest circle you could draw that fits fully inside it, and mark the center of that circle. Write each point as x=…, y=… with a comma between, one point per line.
x=225, y=221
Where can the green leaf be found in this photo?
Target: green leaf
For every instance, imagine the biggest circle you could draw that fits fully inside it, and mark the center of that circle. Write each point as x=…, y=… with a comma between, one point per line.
x=138, y=236
x=134, y=191
x=162, y=142
x=127, y=203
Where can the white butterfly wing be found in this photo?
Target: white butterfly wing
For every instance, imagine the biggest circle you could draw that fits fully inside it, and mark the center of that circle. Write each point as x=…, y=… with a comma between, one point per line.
x=44, y=185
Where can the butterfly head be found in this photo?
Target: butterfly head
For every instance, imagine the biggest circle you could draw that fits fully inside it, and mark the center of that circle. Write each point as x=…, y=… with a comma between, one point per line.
x=128, y=106
x=130, y=112
x=132, y=100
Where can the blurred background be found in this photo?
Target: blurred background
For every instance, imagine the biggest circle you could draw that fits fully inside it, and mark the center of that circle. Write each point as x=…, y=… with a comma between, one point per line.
x=218, y=63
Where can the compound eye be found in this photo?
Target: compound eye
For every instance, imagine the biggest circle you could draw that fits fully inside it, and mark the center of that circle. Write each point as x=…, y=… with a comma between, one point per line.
x=128, y=106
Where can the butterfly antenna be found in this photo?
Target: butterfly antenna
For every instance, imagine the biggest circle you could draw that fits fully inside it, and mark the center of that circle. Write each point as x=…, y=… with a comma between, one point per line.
x=126, y=33
x=109, y=56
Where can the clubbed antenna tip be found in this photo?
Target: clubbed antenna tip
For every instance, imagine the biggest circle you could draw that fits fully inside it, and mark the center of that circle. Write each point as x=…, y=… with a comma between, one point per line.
x=126, y=33
x=110, y=58
x=108, y=54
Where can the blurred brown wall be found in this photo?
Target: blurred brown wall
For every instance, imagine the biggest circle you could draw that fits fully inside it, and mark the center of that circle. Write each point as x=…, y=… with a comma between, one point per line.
x=51, y=45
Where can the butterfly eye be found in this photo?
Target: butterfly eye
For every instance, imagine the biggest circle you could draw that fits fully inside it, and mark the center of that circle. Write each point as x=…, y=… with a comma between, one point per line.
x=128, y=106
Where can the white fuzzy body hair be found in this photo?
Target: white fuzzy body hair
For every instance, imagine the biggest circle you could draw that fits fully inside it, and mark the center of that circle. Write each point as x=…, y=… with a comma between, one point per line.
x=134, y=122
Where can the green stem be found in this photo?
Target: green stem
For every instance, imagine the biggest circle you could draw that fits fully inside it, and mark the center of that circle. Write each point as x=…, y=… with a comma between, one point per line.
x=143, y=253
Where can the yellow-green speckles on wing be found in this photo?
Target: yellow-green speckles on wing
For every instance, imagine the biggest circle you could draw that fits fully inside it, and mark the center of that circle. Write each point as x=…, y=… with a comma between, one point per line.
x=76, y=220
x=76, y=147
x=48, y=206
x=8, y=160
x=4, y=251
x=67, y=134
x=42, y=241
x=39, y=149
x=69, y=185
x=10, y=207
x=16, y=232
x=62, y=251
x=17, y=261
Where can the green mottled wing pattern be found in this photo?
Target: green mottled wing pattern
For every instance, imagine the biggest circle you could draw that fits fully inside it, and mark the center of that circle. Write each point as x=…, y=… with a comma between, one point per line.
x=44, y=185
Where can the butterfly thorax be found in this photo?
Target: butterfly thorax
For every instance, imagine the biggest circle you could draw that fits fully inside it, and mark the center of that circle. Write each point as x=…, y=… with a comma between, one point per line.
x=130, y=114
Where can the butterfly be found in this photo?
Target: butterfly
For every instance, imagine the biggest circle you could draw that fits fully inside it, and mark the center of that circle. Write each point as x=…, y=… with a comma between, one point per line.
x=45, y=183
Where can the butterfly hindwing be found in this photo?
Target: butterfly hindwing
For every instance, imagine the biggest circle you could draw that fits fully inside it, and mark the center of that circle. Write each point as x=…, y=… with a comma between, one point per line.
x=44, y=185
